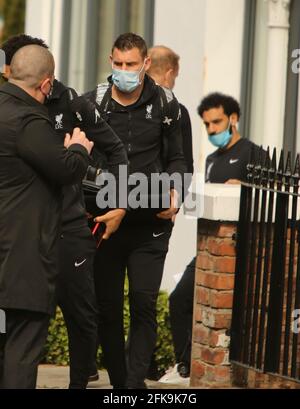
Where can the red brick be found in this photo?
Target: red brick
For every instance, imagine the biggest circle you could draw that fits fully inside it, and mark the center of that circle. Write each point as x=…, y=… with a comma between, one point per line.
x=197, y=313
x=201, y=334
x=197, y=369
x=217, y=319
x=222, y=320
x=215, y=280
x=219, y=374
x=221, y=247
x=202, y=295
x=221, y=299
x=213, y=355
x=196, y=351
x=224, y=265
x=205, y=262
x=213, y=338
x=227, y=230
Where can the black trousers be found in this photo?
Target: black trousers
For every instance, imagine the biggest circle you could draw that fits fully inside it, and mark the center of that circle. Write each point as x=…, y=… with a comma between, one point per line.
x=77, y=300
x=181, y=303
x=21, y=348
x=141, y=250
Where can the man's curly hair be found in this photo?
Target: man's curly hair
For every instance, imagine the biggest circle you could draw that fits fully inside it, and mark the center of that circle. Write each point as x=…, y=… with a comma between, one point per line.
x=13, y=44
x=217, y=100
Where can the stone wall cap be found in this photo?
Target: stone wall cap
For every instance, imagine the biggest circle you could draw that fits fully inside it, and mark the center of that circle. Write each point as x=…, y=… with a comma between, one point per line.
x=216, y=201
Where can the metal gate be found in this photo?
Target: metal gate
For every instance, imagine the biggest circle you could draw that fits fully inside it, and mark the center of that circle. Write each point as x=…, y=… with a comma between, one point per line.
x=266, y=306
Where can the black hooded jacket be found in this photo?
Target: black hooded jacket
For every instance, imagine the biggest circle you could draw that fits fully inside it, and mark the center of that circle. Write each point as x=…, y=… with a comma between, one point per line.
x=67, y=110
x=140, y=127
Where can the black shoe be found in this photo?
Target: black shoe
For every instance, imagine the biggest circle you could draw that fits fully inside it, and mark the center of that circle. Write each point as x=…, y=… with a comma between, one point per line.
x=183, y=369
x=94, y=377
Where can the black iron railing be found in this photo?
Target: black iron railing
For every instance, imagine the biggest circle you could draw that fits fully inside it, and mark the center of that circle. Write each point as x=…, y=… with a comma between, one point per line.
x=265, y=321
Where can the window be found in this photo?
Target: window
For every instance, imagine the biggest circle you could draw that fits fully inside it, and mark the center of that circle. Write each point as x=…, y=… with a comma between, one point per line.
x=95, y=24
x=117, y=17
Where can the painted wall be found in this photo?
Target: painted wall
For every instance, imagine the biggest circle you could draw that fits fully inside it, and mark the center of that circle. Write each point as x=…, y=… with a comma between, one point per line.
x=208, y=35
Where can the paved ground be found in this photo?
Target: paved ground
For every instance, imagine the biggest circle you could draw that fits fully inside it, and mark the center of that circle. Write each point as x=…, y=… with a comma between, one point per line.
x=57, y=377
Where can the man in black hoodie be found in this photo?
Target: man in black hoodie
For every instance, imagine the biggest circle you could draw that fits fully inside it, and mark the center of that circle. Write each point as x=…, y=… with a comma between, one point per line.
x=132, y=105
x=75, y=283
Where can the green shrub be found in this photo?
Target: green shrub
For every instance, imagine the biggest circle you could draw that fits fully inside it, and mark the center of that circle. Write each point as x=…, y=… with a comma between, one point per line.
x=13, y=12
x=57, y=341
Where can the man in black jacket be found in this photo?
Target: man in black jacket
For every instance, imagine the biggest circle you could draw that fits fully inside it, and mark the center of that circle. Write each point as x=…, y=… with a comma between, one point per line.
x=164, y=70
x=227, y=164
x=30, y=210
x=75, y=284
x=132, y=106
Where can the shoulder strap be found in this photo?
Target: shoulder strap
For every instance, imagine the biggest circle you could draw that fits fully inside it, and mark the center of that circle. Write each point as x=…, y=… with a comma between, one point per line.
x=166, y=96
x=102, y=96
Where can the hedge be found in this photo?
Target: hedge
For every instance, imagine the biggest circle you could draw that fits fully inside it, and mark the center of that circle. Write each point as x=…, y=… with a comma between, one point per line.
x=57, y=342
x=13, y=12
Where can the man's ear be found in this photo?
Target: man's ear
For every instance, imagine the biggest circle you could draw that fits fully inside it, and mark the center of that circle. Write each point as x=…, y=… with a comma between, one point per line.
x=6, y=71
x=168, y=74
x=147, y=63
x=234, y=119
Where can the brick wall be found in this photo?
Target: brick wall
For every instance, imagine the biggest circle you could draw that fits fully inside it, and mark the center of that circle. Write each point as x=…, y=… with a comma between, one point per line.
x=214, y=283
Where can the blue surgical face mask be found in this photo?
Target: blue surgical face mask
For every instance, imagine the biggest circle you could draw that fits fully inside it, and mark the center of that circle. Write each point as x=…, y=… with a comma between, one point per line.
x=126, y=81
x=220, y=140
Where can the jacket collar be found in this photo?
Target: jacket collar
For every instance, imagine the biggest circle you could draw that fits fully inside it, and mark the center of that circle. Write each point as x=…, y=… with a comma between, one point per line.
x=19, y=93
x=58, y=89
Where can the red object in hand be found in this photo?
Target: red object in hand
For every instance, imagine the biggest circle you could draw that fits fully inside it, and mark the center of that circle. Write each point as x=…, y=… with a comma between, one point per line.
x=98, y=231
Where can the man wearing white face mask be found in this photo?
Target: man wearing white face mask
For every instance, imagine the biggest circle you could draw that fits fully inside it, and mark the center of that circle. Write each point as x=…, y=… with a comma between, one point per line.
x=131, y=103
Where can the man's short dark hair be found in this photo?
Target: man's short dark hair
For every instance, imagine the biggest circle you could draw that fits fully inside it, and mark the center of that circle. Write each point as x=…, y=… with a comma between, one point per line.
x=217, y=100
x=128, y=41
x=13, y=44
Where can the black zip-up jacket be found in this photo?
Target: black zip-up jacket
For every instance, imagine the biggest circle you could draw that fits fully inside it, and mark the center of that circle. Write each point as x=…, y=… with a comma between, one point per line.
x=67, y=110
x=34, y=165
x=140, y=127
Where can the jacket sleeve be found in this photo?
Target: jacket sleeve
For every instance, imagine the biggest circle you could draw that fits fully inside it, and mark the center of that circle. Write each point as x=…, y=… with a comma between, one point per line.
x=97, y=130
x=187, y=139
x=175, y=161
x=106, y=141
x=40, y=146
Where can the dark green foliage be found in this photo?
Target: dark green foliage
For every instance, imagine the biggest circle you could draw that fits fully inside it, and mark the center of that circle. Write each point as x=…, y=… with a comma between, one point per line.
x=13, y=12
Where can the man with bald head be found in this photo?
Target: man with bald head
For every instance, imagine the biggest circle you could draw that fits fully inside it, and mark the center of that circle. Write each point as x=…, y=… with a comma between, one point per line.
x=164, y=69
x=34, y=166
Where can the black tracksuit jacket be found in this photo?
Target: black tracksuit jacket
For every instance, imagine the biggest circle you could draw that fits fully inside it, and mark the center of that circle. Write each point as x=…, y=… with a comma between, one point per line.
x=140, y=127
x=67, y=110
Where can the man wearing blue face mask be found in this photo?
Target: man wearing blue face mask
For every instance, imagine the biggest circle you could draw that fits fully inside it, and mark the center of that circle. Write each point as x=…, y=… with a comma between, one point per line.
x=131, y=103
x=228, y=164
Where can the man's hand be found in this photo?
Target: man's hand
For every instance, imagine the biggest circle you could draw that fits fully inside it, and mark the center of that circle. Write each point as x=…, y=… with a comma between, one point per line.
x=112, y=220
x=78, y=137
x=171, y=212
